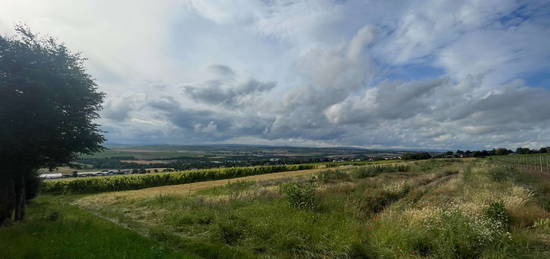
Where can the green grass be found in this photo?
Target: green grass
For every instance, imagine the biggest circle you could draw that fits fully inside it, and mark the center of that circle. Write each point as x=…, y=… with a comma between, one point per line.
x=54, y=229
x=427, y=209
x=277, y=219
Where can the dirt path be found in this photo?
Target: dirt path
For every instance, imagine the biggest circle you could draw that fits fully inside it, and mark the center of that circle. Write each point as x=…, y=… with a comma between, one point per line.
x=182, y=189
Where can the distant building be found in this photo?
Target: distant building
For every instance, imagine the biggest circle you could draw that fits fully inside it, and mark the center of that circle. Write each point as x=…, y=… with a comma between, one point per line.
x=51, y=176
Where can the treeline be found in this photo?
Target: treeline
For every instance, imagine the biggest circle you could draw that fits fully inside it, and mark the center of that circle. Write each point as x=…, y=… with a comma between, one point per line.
x=187, y=164
x=476, y=153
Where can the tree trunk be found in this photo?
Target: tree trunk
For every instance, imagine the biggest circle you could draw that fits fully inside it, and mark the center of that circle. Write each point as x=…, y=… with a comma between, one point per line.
x=7, y=197
x=20, y=199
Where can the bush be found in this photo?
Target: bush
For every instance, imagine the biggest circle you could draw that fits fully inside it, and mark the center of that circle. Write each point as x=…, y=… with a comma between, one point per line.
x=328, y=175
x=500, y=174
x=371, y=171
x=457, y=235
x=232, y=229
x=496, y=211
x=417, y=156
x=375, y=202
x=300, y=195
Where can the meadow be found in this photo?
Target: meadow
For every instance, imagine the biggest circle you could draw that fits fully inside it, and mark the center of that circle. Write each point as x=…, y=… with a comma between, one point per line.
x=438, y=208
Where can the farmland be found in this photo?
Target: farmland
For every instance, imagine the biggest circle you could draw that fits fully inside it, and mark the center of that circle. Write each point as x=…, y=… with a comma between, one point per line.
x=212, y=156
x=438, y=208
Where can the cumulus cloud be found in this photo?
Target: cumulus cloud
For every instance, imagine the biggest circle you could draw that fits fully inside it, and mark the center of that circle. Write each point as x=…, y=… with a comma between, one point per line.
x=119, y=109
x=206, y=124
x=227, y=89
x=436, y=74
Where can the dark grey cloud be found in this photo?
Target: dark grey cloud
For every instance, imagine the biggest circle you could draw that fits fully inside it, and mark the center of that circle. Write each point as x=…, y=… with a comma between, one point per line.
x=222, y=70
x=208, y=124
x=230, y=94
x=227, y=89
x=120, y=109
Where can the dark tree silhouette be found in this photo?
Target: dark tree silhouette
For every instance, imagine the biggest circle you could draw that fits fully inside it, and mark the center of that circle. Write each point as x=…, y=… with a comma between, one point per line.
x=48, y=104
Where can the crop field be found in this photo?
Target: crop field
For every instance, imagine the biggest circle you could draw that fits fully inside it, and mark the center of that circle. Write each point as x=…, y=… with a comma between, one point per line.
x=439, y=208
x=213, y=156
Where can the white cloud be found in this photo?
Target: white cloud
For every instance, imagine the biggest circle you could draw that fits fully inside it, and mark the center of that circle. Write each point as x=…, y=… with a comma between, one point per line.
x=311, y=72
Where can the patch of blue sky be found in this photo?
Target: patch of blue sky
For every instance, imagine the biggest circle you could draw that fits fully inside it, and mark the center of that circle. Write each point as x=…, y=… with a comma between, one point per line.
x=414, y=72
x=541, y=79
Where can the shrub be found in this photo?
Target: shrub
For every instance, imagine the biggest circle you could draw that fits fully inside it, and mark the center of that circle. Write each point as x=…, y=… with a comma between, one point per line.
x=458, y=235
x=500, y=174
x=497, y=211
x=417, y=156
x=371, y=171
x=300, y=195
x=232, y=230
x=164, y=198
x=376, y=201
x=328, y=175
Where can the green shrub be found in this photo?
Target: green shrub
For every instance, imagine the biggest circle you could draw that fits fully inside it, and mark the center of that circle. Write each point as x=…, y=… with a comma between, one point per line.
x=364, y=172
x=497, y=211
x=300, y=195
x=371, y=171
x=164, y=198
x=232, y=230
x=500, y=174
x=361, y=250
x=329, y=175
x=457, y=235
x=376, y=201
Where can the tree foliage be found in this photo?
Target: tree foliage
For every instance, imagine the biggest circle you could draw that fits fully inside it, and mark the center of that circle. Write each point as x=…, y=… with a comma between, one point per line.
x=417, y=156
x=49, y=103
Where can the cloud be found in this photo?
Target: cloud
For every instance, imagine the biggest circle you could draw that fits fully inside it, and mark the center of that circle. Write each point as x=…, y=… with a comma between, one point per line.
x=119, y=109
x=435, y=74
x=226, y=89
x=206, y=124
x=388, y=101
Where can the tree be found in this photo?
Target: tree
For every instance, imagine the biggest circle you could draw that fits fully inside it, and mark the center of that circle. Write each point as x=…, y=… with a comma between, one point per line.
x=49, y=103
x=521, y=150
x=417, y=156
x=502, y=151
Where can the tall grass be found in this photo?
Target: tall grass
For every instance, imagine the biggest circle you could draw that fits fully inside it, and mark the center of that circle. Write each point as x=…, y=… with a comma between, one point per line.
x=54, y=229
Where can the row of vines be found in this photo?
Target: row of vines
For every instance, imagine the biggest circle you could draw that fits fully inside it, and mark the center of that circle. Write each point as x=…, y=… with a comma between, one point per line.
x=533, y=162
x=131, y=182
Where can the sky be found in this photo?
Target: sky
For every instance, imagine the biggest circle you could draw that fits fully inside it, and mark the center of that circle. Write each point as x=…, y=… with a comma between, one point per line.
x=437, y=74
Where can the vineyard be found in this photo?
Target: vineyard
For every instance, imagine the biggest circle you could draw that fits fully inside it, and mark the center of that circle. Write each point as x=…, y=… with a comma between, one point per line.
x=533, y=162
x=131, y=182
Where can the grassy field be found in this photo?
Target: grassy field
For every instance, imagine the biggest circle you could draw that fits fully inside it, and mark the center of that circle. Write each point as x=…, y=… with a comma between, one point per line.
x=425, y=209
x=56, y=229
